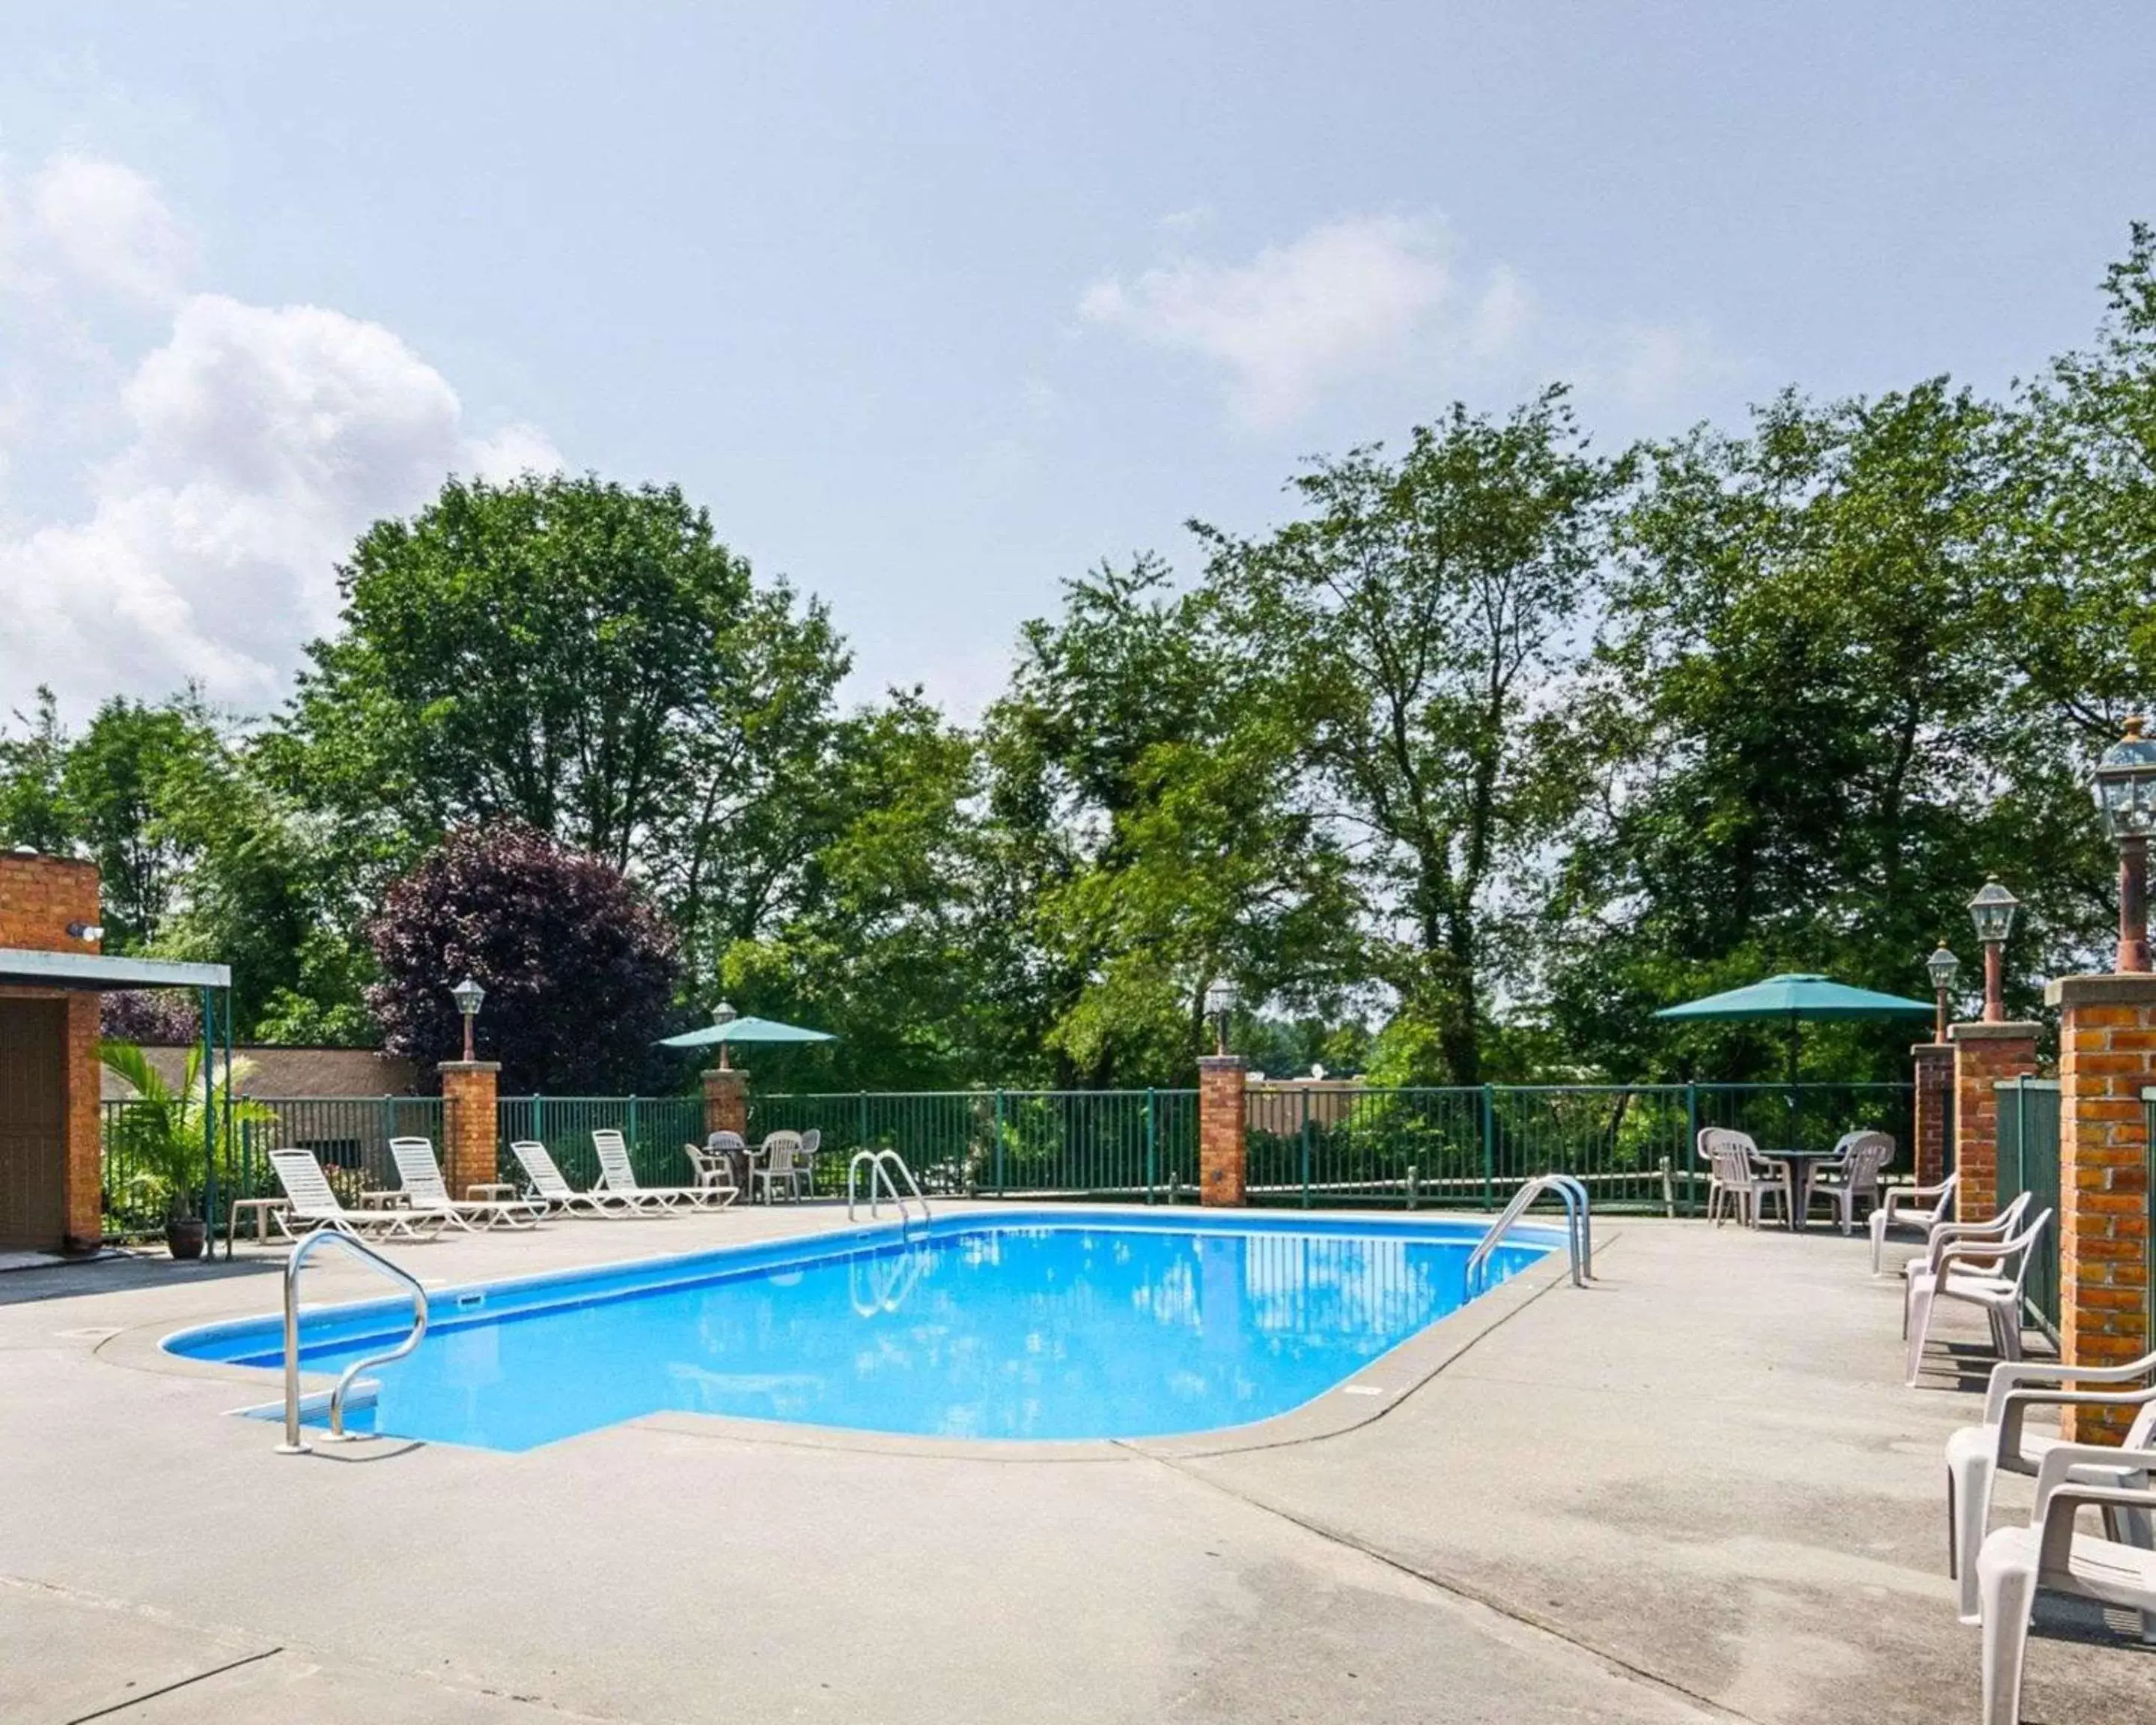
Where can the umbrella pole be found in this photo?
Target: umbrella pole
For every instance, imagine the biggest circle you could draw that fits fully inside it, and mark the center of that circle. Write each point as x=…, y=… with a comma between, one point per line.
x=1795, y=1031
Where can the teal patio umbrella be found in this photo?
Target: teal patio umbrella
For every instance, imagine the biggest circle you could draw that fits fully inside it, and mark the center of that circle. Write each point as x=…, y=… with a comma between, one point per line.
x=728, y=1027
x=1795, y=996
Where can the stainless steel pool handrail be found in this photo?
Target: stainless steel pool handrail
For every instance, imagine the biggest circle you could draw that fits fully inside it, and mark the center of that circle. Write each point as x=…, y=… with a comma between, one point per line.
x=1578, y=1235
x=879, y=1164
x=366, y=1255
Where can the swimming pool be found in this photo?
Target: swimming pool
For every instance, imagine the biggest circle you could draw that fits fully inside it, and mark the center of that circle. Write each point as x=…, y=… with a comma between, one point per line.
x=1036, y=1325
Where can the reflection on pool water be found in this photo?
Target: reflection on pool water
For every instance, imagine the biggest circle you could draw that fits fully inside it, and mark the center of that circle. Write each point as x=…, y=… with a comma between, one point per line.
x=1034, y=1326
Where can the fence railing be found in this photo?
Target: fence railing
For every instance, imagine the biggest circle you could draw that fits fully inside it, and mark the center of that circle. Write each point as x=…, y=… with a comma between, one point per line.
x=1317, y=1146
x=1339, y=1145
x=1630, y=1144
x=2029, y=1161
x=1138, y=1145
x=654, y=1127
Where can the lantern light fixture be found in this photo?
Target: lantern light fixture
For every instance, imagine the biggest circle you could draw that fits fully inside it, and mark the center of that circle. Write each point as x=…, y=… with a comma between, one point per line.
x=469, y=998
x=2125, y=784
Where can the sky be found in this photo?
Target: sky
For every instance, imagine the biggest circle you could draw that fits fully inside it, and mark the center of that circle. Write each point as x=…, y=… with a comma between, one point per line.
x=936, y=305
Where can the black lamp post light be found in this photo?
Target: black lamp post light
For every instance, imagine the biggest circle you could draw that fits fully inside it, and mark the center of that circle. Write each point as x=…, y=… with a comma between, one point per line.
x=2126, y=792
x=1943, y=968
x=1221, y=998
x=1992, y=911
x=469, y=998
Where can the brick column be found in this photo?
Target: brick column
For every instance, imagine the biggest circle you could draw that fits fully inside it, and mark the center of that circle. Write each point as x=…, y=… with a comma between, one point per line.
x=1935, y=1082
x=1983, y=1054
x=1222, y=1139
x=725, y=1100
x=471, y=1153
x=2107, y=1055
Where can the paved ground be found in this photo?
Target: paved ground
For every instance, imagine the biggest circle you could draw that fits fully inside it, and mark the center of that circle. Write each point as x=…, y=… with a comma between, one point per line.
x=1697, y=1492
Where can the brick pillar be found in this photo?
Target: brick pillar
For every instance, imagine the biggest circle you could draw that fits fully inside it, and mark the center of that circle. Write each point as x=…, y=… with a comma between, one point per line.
x=1222, y=1139
x=471, y=1154
x=1983, y=1054
x=725, y=1100
x=1935, y=1081
x=2107, y=1055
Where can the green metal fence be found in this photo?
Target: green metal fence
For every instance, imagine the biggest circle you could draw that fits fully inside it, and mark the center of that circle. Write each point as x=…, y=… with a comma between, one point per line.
x=1630, y=1144
x=349, y=1135
x=655, y=1128
x=1334, y=1145
x=2029, y=1161
x=2148, y=1189
x=1134, y=1145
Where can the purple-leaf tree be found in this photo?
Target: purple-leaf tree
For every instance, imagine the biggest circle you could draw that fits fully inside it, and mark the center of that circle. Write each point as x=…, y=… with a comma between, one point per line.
x=578, y=967
x=151, y=1018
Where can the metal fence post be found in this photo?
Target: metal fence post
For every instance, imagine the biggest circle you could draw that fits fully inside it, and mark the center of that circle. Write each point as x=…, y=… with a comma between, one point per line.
x=999, y=1143
x=1306, y=1149
x=1691, y=1147
x=1489, y=1148
x=1152, y=1148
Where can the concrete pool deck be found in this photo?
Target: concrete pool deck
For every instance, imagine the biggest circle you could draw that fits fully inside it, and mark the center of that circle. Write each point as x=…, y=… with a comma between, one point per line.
x=1698, y=1490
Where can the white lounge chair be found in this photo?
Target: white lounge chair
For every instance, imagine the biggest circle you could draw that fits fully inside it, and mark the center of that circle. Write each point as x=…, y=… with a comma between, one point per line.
x=616, y=1175
x=1995, y=1287
x=311, y=1203
x=1922, y=1208
x=428, y=1194
x=2017, y=1563
x=1977, y=1455
x=1852, y=1176
x=548, y=1186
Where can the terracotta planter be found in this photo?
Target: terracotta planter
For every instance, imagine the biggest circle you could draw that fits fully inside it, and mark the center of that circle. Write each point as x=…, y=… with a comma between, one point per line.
x=185, y=1237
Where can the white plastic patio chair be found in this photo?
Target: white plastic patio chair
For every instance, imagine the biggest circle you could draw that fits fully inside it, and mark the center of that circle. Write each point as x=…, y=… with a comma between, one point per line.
x=548, y=1186
x=1977, y=1455
x=2048, y=1555
x=428, y=1194
x=617, y=1175
x=1995, y=1288
x=311, y=1203
x=1922, y=1208
x=1737, y=1179
x=811, y=1141
x=1853, y=1176
x=779, y=1150
x=1996, y=1228
x=714, y=1164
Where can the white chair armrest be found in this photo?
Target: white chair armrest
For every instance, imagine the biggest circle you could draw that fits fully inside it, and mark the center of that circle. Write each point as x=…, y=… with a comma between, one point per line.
x=2013, y=1374
x=2055, y=1507
x=2015, y=1403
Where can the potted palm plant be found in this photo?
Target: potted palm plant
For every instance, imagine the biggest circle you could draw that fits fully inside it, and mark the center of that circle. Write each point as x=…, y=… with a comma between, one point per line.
x=159, y=1136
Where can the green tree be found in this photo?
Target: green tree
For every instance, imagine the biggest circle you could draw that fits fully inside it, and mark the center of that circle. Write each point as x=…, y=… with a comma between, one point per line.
x=584, y=657
x=1408, y=635
x=33, y=810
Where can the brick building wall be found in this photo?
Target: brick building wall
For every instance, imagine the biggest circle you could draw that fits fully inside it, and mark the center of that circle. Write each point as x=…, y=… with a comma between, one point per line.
x=1934, y=1112
x=39, y=896
x=471, y=1131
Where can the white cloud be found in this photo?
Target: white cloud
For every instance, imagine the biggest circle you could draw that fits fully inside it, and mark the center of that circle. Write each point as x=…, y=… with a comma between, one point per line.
x=1361, y=296
x=105, y=227
x=1296, y=318
x=241, y=458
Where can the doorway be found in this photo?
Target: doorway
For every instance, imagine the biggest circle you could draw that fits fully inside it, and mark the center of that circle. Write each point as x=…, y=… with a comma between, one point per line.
x=32, y=1124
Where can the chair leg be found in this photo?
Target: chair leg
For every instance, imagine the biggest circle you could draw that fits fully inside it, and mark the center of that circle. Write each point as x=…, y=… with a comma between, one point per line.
x=1969, y=1501
x=2006, y=1593
x=1920, y=1323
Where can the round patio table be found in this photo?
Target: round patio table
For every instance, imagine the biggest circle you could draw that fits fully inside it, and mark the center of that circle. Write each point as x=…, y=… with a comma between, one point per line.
x=1801, y=1164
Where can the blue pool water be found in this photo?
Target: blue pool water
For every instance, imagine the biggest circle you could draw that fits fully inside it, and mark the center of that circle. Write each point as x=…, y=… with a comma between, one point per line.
x=1032, y=1326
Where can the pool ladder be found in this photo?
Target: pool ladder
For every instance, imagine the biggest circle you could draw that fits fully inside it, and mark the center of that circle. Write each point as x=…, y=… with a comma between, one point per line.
x=366, y=1255
x=1579, y=1234
x=879, y=1164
